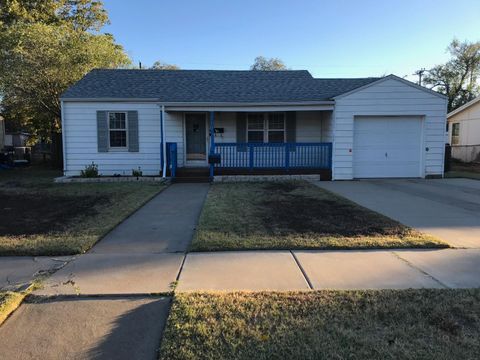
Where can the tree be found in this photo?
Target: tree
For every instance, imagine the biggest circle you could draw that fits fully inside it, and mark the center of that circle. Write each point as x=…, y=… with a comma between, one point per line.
x=40, y=57
x=264, y=64
x=159, y=65
x=458, y=78
x=80, y=14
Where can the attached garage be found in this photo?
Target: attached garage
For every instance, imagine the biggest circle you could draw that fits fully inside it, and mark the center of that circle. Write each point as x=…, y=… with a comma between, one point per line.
x=390, y=128
x=387, y=146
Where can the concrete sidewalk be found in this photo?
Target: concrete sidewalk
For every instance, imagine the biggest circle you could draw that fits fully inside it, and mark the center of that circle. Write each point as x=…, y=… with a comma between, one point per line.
x=143, y=255
x=85, y=328
x=349, y=269
x=164, y=225
x=17, y=272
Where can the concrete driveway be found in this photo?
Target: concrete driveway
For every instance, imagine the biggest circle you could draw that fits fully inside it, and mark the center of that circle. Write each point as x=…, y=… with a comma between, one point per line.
x=446, y=208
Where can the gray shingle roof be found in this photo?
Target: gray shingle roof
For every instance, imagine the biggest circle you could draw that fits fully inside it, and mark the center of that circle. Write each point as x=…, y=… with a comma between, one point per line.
x=210, y=86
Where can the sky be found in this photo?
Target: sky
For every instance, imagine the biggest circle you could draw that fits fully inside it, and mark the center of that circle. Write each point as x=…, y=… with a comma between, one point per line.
x=335, y=38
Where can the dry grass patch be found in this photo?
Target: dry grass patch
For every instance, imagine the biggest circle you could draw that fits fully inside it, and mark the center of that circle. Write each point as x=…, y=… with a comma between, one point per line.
x=389, y=324
x=295, y=215
x=43, y=218
x=9, y=302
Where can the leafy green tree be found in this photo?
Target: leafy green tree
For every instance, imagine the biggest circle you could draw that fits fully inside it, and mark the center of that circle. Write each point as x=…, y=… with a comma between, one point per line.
x=458, y=78
x=81, y=14
x=262, y=63
x=42, y=54
x=159, y=65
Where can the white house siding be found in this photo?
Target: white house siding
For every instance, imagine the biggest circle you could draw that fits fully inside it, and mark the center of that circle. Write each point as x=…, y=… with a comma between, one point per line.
x=327, y=126
x=390, y=97
x=174, y=133
x=80, y=126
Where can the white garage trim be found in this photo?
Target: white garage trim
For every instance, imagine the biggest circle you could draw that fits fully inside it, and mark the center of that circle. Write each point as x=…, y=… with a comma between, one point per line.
x=378, y=138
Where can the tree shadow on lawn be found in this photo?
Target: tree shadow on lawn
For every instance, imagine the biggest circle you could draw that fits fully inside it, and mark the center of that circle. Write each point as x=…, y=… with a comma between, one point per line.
x=296, y=207
x=38, y=214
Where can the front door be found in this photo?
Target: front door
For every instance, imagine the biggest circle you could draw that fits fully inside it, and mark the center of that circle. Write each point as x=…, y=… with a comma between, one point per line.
x=195, y=139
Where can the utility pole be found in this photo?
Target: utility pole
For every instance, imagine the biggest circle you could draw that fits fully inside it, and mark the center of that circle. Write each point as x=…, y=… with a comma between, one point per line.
x=419, y=73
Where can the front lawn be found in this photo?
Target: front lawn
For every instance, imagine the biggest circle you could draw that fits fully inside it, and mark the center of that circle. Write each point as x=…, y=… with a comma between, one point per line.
x=387, y=324
x=295, y=215
x=39, y=217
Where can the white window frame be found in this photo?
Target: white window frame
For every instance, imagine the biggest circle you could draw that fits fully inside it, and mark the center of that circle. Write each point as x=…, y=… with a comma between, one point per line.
x=118, y=148
x=266, y=128
x=456, y=137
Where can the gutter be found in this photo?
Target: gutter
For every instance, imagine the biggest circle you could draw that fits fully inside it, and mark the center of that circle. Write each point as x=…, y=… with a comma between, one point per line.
x=64, y=155
x=164, y=145
x=207, y=104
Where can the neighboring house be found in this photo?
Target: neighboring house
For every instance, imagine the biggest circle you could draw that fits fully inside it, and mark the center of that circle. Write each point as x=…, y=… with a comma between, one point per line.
x=17, y=139
x=262, y=121
x=464, y=131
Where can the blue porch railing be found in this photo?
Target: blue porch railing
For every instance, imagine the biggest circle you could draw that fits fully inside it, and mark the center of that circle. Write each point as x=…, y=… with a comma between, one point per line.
x=172, y=158
x=274, y=156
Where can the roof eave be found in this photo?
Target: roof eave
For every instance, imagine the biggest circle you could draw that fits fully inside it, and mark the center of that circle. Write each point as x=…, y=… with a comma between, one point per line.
x=391, y=76
x=463, y=107
x=173, y=103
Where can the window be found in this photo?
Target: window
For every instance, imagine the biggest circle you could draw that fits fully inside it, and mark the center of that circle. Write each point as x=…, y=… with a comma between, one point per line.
x=455, y=133
x=255, y=128
x=276, y=127
x=117, y=129
x=269, y=127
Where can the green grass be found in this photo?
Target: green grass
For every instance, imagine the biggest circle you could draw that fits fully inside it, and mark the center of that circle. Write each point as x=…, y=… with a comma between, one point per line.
x=463, y=174
x=463, y=170
x=43, y=218
x=9, y=302
x=386, y=324
x=295, y=215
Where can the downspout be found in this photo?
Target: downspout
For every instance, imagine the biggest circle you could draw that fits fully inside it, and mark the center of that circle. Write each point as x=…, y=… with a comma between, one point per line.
x=164, y=145
x=64, y=155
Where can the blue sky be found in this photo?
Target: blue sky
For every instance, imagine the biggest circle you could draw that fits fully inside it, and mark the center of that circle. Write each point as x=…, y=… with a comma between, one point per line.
x=336, y=38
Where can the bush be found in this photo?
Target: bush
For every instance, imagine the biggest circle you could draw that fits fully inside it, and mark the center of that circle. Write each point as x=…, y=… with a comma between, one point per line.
x=137, y=173
x=90, y=171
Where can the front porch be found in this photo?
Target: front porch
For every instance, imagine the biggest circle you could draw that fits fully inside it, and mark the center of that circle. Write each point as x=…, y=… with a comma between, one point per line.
x=244, y=143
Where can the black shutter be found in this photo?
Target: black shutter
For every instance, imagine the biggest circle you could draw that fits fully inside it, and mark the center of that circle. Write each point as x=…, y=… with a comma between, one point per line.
x=133, y=145
x=102, y=131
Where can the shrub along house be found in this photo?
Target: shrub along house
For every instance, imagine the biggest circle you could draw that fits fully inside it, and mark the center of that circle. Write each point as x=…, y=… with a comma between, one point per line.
x=247, y=122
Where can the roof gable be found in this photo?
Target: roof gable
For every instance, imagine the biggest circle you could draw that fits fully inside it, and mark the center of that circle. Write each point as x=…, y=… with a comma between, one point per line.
x=391, y=77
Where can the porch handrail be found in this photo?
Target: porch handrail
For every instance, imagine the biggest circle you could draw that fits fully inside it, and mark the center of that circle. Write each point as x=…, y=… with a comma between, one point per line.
x=172, y=158
x=305, y=155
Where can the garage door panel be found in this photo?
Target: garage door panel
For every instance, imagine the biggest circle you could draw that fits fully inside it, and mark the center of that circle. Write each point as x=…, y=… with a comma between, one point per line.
x=387, y=146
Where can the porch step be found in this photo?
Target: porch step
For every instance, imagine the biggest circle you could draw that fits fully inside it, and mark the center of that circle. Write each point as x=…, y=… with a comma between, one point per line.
x=191, y=179
x=192, y=175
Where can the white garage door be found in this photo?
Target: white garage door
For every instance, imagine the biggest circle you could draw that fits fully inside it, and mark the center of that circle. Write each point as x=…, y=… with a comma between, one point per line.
x=387, y=147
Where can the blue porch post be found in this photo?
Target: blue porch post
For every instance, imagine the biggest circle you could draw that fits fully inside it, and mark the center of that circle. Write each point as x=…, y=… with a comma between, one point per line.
x=212, y=140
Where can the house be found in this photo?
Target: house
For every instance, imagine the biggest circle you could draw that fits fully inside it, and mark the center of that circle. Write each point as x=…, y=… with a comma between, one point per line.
x=464, y=131
x=248, y=122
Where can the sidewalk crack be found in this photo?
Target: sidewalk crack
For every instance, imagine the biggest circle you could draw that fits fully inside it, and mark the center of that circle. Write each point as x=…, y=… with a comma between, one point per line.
x=419, y=269
x=302, y=270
